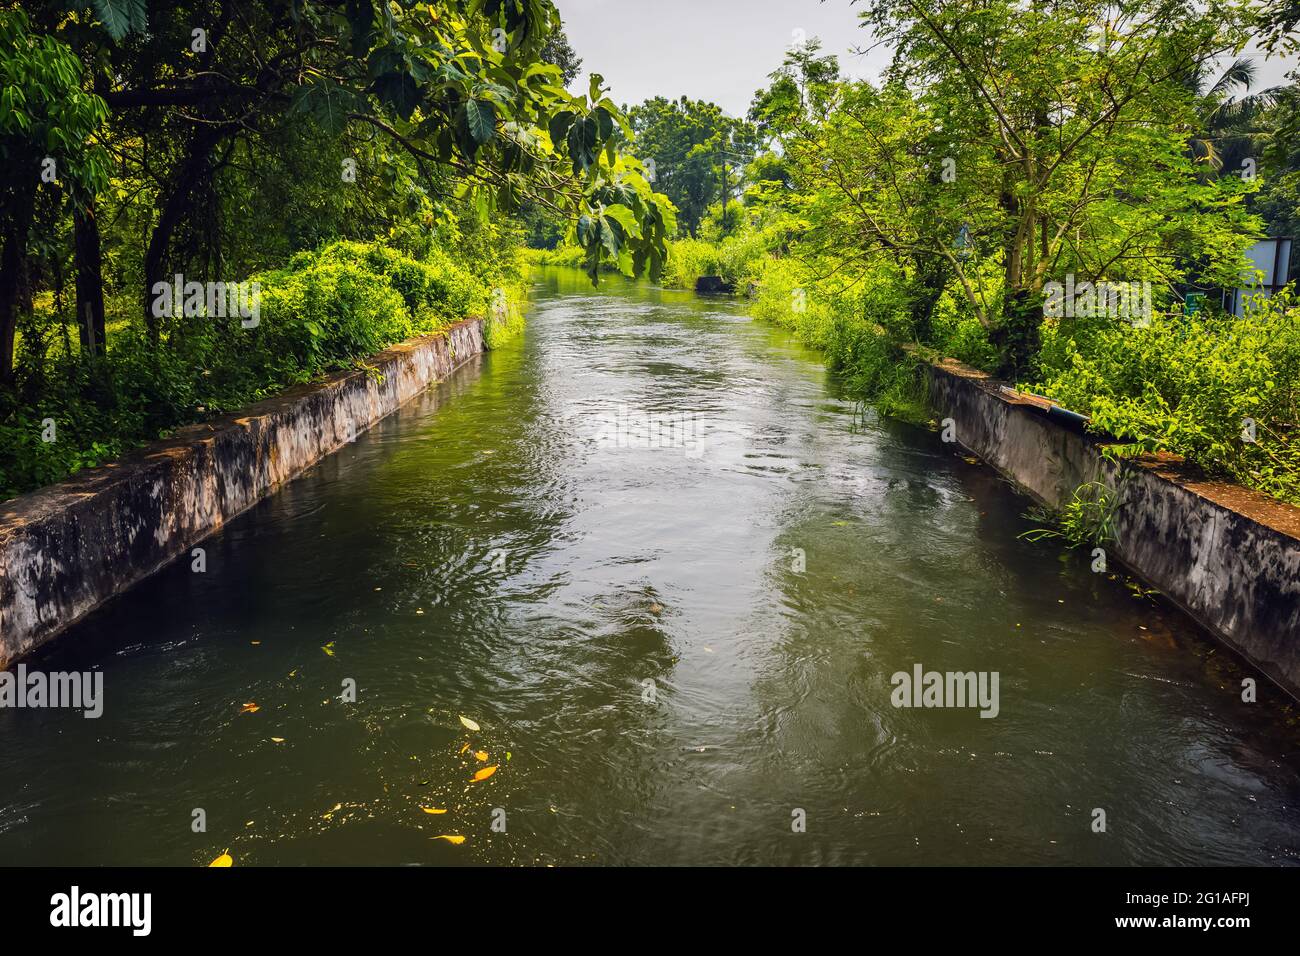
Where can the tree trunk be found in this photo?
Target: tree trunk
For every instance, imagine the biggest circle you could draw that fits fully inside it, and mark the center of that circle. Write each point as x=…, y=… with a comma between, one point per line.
x=19, y=207
x=931, y=278
x=173, y=211
x=90, y=279
x=1019, y=337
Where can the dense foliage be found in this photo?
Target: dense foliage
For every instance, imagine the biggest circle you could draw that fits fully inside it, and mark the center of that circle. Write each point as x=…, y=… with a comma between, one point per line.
x=318, y=314
x=233, y=141
x=1007, y=154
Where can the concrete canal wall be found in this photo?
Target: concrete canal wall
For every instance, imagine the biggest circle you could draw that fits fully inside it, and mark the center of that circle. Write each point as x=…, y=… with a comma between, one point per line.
x=66, y=549
x=1230, y=557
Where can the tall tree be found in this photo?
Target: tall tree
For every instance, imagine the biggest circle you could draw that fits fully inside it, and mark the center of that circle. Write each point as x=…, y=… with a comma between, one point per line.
x=47, y=122
x=691, y=144
x=1040, y=143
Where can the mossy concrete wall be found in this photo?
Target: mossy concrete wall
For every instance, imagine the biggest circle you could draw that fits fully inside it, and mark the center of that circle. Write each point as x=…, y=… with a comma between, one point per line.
x=1230, y=557
x=66, y=549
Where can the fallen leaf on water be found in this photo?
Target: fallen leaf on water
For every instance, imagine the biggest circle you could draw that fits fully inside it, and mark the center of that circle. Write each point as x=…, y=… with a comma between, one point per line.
x=277, y=740
x=328, y=648
x=656, y=608
x=249, y=708
x=294, y=672
x=463, y=749
x=255, y=643
x=485, y=773
x=224, y=860
x=481, y=756
x=507, y=755
x=469, y=724
x=458, y=840
x=432, y=810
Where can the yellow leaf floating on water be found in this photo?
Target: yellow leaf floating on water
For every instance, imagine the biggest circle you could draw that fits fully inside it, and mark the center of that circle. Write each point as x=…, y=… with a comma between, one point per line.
x=481, y=756
x=469, y=724
x=463, y=749
x=432, y=810
x=328, y=648
x=224, y=860
x=249, y=708
x=457, y=840
x=485, y=773
x=277, y=740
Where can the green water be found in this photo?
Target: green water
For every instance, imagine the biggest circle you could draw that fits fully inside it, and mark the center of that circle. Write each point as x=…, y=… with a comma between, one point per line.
x=672, y=646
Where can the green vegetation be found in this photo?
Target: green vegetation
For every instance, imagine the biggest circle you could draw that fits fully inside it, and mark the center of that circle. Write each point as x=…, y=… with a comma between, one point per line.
x=1009, y=158
x=1087, y=518
x=321, y=313
x=373, y=167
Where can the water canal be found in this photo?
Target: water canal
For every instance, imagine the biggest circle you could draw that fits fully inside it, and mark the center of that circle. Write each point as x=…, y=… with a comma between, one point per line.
x=668, y=570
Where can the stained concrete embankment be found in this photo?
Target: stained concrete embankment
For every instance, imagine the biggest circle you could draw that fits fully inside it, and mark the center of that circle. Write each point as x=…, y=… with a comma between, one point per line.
x=1230, y=557
x=68, y=548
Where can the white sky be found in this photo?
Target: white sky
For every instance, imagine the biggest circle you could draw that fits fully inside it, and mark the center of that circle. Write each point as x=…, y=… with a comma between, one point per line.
x=722, y=50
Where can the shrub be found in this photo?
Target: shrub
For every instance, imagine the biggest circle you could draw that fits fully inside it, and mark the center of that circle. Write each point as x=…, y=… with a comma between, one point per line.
x=322, y=312
x=1193, y=385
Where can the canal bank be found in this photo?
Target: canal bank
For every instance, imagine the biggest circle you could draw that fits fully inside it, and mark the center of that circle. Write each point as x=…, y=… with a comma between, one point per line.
x=68, y=548
x=1228, y=556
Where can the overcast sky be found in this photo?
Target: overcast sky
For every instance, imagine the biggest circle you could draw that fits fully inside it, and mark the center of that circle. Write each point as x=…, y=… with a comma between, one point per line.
x=722, y=50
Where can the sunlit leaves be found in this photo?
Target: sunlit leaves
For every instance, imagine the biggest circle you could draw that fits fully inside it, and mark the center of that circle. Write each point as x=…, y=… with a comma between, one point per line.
x=626, y=220
x=43, y=108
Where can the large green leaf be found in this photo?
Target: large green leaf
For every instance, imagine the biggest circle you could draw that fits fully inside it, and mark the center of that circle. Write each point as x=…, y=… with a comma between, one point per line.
x=325, y=101
x=625, y=218
x=582, y=144
x=120, y=17
x=399, y=92
x=480, y=120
